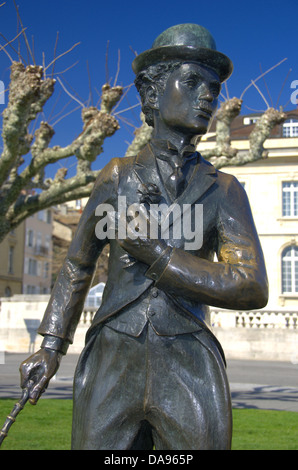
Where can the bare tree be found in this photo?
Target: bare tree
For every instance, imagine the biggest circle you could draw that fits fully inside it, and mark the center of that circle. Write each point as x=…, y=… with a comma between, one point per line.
x=223, y=154
x=24, y=188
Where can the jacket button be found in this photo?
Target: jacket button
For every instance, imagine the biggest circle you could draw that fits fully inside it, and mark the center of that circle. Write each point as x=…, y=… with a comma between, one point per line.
x=154, y=292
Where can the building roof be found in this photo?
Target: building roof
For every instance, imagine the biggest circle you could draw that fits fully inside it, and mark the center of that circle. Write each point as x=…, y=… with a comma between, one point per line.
x=241, y=126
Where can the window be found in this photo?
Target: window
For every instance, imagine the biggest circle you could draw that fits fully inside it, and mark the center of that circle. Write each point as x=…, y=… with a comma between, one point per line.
x=290, y=199
x=290, y=128
x=48, y=239
x=290, y=270
x=30, y=237
x=31, y=290
x=38, y=242
x=10, y=259
x=46, y=270
x=49, y=216
x=8, y=292
x=40, y=216
x=247, y=121
x=32, y=268
x=95, y=295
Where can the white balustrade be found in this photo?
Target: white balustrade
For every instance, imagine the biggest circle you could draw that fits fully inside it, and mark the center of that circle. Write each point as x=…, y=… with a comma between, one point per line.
x=255, y=319
x=87, y=317
x=268, y=319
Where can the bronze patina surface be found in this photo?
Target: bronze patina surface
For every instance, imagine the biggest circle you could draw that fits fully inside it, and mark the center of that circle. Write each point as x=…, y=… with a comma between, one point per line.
x=152, y=372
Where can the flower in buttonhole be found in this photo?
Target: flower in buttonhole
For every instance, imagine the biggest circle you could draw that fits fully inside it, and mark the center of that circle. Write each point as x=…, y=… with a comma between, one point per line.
x=150, y=193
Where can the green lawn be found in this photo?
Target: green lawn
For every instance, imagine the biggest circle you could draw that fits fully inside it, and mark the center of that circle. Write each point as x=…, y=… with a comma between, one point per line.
x=47, y=426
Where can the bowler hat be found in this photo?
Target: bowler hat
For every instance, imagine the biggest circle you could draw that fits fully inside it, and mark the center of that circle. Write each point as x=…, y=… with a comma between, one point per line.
x=187, y=42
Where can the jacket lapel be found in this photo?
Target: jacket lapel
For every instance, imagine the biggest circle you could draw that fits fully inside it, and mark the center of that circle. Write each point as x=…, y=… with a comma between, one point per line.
x=147, y=172
x=204, y=175
x=202, y=178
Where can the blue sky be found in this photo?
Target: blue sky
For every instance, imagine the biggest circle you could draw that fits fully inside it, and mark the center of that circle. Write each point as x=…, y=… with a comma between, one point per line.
x=256, y=35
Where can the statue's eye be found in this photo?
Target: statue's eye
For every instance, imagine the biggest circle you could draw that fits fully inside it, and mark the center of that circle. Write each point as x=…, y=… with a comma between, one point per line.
x=190, y=82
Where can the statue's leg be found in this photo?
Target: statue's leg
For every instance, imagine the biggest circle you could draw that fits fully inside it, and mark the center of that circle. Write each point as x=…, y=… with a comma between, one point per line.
x=188, y=405
x=108, y=394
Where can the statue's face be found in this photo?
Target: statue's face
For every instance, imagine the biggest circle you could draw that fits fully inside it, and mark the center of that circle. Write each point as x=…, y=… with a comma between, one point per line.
x=189, y=99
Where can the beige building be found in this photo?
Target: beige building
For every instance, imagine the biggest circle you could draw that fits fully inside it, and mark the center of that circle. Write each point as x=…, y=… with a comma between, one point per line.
x=272, y=188
x=38, y=253
x=77, y=205
x=12, y=262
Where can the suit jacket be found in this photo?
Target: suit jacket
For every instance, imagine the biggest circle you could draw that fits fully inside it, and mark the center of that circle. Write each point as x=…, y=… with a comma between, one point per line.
x=188, y=281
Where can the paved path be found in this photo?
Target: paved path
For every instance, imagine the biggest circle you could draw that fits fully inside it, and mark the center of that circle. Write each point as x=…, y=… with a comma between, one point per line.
x=254, y=384
x=268, y=385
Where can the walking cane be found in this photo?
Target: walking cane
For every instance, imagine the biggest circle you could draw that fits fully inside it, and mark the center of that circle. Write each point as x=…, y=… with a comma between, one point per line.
x=15, y=411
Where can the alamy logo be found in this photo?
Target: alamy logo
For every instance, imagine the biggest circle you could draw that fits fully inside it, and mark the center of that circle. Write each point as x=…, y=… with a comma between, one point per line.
x=294, y=95
x=159, y=222
x=2, y=93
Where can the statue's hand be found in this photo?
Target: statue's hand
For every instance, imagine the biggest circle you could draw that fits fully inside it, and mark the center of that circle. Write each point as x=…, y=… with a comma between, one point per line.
x=143, y=249
x=138, y=242
x=37, y=370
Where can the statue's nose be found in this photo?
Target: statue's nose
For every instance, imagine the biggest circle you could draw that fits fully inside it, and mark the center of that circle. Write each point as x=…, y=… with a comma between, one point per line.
x=204, y=93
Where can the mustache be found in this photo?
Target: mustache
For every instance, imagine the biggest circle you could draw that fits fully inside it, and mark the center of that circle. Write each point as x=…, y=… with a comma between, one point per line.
x=204, y=106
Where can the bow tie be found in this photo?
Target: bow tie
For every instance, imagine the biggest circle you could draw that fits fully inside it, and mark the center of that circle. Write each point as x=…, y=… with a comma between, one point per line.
x=167, y=151
x=174, y=163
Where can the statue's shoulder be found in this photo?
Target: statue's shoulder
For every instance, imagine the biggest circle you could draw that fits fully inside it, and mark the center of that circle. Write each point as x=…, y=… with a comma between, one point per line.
x=226, y=182
x=114, y=168
x=230, y=185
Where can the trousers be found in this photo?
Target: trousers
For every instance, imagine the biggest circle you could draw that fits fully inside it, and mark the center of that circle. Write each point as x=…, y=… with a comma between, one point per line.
x=170, y=392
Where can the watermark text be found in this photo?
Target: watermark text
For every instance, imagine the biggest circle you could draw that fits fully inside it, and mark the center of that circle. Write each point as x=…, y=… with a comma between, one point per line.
x=2, y=92
x=160, y=221
x=294, y=94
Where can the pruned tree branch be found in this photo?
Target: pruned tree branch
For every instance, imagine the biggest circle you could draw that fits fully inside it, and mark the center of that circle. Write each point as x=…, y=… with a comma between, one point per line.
x=142, y=137
x=257, y=138
x=28, y=93
x=224, y=118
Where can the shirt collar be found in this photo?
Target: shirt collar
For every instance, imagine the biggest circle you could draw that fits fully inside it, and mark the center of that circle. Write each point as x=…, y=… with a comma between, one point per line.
x=164, y=149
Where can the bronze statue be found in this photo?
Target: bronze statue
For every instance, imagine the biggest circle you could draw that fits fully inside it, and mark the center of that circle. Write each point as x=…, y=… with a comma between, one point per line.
x=151, y=372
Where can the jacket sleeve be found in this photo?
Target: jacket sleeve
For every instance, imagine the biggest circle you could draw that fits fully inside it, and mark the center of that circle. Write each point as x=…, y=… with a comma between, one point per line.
x=238, y=280
x=73, y=282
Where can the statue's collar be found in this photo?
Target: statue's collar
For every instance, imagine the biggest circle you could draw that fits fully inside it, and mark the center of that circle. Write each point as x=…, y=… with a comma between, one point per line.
x=167, y=148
